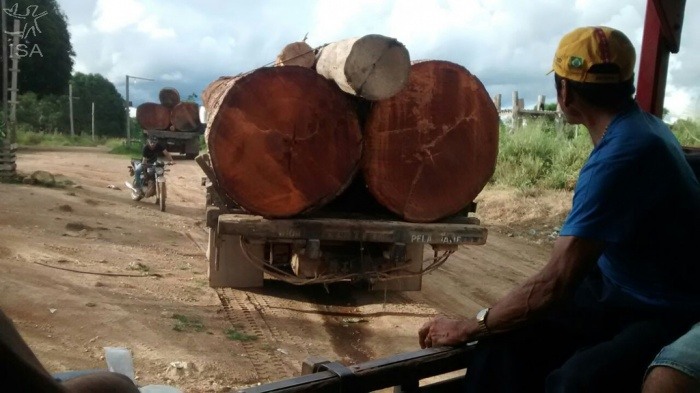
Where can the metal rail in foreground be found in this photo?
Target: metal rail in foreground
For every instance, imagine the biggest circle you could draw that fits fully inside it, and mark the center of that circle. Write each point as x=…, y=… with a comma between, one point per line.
x=403, y=372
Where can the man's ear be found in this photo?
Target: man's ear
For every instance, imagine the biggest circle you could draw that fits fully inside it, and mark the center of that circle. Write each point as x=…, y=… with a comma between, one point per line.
x=566, y=95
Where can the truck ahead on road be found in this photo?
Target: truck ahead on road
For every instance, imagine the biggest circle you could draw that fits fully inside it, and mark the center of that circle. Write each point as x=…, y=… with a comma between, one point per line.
x=185, y=143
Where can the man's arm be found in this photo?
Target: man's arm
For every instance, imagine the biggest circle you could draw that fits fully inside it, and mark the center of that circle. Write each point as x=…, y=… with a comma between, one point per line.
x=19, y=366
x=167, y=155
x=571, y=258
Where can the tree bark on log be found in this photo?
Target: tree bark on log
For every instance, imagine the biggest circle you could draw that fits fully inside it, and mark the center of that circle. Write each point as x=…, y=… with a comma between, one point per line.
x=282, y=140
x=432, y=148
x=374, y=67
x=169, y=97
x=297, y=53
x=214, y=93
x=152, y=116
x=185, y=116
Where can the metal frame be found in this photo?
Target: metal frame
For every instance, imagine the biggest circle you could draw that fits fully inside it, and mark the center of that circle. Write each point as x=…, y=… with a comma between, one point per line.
x=662, y=31
x=403, y=372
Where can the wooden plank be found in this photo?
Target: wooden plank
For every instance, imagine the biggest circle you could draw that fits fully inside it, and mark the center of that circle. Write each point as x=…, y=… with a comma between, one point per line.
x=353, y=230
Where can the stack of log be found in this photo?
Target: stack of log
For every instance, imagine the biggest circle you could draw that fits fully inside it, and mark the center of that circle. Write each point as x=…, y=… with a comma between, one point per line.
x=170, y=114
x=420, y=138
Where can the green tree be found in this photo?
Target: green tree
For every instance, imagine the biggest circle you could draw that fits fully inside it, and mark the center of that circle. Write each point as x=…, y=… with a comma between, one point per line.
x=109, y=105
x=46, y=53
x=46, y=114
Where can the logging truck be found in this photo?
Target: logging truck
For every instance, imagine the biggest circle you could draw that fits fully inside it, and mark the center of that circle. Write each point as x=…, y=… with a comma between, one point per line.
x=310, y=182
x=185, y=143
x=175, y=123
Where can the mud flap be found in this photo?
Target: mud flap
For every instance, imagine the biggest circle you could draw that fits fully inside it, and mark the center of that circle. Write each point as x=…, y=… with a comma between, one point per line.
x=414, y=252
x=229, y=266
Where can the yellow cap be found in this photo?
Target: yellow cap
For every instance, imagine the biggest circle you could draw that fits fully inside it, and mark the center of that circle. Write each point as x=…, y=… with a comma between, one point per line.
x=585, y=47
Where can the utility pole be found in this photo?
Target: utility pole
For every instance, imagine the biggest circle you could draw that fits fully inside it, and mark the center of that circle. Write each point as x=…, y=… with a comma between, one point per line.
x=12, y=122
x=70, y=107
x=127, y=104
x=93, y=121
x=4, y=70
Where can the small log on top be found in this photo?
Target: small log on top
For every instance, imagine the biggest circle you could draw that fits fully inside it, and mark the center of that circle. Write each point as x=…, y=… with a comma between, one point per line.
x=169, y=97
x=282, y=140
x=432, y=148
x=185, y=116
x=296, y=54
x=374, y=67
x=152, y=116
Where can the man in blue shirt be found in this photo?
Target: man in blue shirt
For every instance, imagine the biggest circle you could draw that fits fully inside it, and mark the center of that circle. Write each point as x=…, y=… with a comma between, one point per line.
x=622, y=279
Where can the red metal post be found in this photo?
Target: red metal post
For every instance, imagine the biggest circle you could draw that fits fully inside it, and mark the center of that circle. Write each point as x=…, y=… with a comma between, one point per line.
x=662, y=35
x=653, y=64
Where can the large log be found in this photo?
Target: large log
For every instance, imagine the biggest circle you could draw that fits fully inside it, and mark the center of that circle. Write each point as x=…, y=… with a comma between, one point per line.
x=152, y=116
x=298, y=54
x=185, y=116
x=169, y=97
x=432, y=148
x=374, y=67
x=282, y=140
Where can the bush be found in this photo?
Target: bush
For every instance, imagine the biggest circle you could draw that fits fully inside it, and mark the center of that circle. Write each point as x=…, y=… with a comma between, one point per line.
x=537, y=156
x=132, y=150
x=687, y=131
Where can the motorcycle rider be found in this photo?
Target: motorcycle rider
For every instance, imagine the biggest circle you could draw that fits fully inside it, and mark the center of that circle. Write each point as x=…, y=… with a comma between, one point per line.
x=151, y=151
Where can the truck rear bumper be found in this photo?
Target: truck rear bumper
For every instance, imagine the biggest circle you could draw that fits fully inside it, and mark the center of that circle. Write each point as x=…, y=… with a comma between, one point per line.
x=462, y=230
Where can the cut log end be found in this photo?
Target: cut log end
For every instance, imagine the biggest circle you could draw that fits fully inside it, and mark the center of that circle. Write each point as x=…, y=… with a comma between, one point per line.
x=432, y=148
x=388, y=73
x=374, y=67
x=152, y=116
x=169, y=97
x=185, y=116
x=283, y=141
x=297, y=54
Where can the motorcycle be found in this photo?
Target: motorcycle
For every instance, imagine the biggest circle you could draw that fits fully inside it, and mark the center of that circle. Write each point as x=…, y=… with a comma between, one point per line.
x=152, y=182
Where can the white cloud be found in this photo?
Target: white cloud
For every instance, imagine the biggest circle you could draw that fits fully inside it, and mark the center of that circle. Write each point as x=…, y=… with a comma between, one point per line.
x=508, y=44
x=173, y=76
x=151, y=27
x=114, y=15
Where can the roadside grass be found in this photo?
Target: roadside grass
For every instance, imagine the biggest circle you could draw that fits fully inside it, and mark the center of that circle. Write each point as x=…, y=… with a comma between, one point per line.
x=31, y=138
x=537, y=156
x=115, y=145
x=687, y=132
x=133, y=149
x=184, y=323
x=235, y=334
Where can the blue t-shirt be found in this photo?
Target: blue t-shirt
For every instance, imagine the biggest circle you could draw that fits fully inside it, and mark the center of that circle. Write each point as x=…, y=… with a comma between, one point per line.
x=638, y=195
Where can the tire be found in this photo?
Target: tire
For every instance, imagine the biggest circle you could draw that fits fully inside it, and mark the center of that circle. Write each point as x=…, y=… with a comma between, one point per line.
x=161, y=195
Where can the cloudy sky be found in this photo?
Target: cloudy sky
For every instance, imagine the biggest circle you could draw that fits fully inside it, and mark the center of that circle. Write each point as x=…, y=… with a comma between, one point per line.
x=508, y=44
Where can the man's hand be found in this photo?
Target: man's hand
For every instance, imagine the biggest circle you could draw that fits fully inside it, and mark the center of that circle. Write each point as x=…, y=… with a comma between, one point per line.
x=441, y=331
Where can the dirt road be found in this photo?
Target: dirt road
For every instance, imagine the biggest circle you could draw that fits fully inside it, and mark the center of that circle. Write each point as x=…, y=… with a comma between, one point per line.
x=83, y=267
